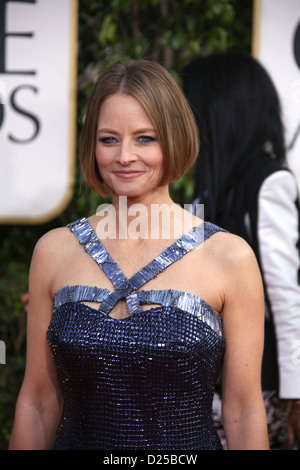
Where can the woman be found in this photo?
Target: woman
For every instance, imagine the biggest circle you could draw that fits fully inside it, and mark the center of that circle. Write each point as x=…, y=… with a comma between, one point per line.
x=244, y=183
x=133, y=361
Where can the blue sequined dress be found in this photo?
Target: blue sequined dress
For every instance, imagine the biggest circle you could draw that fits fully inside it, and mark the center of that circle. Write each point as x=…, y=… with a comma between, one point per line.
x=144, y=382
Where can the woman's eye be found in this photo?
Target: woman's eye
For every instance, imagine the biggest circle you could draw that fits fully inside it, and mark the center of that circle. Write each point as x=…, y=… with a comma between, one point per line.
x=107, y=140
x=145, y=139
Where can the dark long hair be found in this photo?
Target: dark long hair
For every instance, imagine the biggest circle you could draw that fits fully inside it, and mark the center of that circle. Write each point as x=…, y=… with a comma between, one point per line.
x=238, y=113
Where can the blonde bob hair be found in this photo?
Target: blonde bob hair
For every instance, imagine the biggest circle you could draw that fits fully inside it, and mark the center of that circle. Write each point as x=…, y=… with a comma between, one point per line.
x=156, y=90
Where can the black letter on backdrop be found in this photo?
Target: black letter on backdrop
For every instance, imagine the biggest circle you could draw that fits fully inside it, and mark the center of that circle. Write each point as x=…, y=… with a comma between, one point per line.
x=296, y=45
x=1, y=114
x=25, y=113
x=4, y=34
x=296, y=49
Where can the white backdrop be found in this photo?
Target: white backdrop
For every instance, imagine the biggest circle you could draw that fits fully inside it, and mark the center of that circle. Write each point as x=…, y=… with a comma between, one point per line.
x=276, y=44
x=37, y=108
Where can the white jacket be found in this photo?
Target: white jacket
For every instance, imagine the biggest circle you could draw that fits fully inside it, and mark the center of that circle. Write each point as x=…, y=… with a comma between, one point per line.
x=278, y=234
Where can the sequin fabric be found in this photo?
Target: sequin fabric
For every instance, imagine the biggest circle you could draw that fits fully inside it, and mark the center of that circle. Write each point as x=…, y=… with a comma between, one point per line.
x=144, y=382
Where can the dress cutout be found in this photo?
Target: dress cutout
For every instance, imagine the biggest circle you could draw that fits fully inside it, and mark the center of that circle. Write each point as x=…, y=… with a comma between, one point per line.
x=143, y=382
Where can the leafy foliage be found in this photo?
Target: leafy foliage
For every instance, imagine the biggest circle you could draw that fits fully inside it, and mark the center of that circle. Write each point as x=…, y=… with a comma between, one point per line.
x=169, y=31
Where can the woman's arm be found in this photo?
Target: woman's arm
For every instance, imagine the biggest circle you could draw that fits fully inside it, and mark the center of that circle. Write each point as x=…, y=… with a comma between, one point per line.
x=39, y=404
x=243, y=408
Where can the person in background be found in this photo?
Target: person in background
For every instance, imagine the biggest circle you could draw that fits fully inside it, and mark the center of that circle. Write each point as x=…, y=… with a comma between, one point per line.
x=127, y=334
x=243, y=180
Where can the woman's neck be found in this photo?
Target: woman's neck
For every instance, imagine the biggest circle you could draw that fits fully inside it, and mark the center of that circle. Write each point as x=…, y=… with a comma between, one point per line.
x=154, y=217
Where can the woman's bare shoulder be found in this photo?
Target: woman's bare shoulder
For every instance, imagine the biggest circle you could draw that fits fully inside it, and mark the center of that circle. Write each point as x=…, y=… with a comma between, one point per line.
x=236, y=270
x=54, y=238
x=230, y=251
x=54, y=244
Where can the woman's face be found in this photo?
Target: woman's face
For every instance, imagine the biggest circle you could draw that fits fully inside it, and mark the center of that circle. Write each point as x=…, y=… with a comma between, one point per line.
x=128, y=153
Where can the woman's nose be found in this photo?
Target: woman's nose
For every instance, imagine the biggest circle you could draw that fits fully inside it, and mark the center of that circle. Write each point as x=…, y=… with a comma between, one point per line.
x=126, y=153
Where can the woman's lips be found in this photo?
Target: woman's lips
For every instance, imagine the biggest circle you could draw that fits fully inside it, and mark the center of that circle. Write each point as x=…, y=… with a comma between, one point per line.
x=128, y=173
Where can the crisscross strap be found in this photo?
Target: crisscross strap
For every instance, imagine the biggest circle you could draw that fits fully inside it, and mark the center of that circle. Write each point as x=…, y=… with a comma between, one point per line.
x=126, y=288
x=184, y=301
